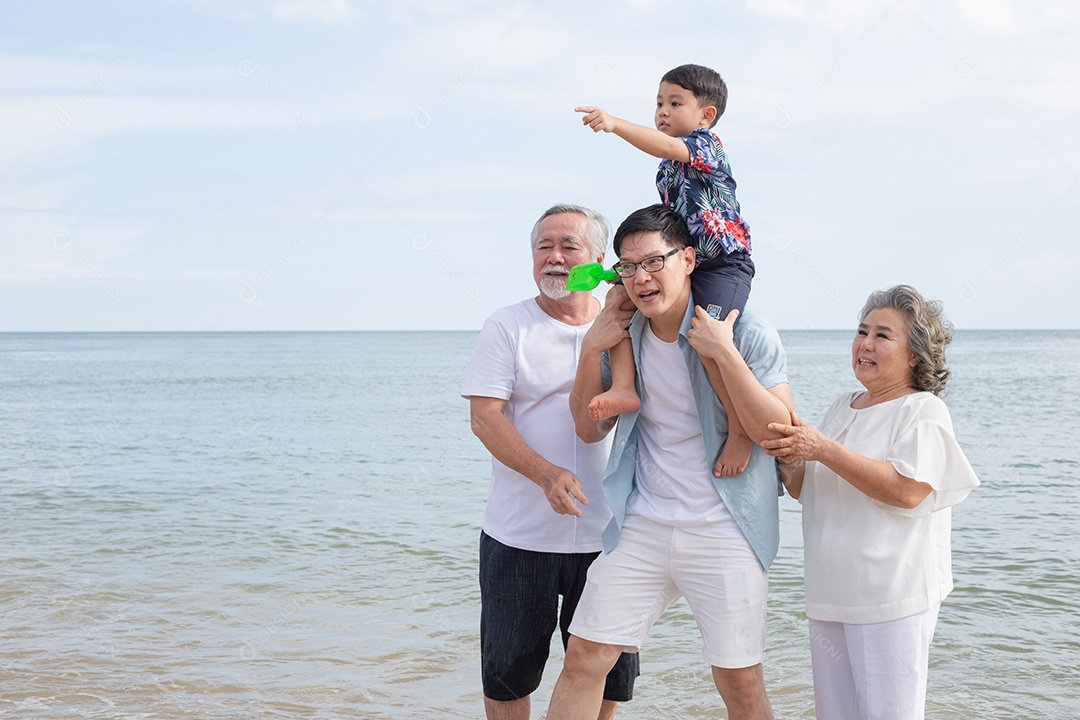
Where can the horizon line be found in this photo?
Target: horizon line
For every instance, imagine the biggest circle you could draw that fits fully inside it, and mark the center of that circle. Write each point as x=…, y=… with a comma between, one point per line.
x=432, y=330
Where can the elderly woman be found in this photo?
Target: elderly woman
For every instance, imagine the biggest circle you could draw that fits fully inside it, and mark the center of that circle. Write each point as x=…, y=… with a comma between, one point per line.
x=877, y=482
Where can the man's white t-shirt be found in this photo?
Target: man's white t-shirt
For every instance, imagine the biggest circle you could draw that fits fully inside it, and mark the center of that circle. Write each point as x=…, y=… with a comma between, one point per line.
x=529, y=359
x=674, y=484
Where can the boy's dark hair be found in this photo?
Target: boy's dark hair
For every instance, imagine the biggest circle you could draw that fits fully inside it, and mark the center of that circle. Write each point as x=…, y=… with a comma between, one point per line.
x=706, y=84
x=655, y=218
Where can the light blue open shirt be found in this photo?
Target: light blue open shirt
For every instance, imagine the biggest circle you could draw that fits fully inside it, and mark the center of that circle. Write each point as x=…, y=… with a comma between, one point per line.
x=751, y=496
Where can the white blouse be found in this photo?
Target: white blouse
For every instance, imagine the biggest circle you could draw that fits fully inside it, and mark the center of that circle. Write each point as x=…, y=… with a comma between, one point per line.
x=868, y=562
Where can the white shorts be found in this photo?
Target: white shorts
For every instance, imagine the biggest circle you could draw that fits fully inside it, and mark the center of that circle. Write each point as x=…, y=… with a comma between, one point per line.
x=653, y=565
x=877, y=670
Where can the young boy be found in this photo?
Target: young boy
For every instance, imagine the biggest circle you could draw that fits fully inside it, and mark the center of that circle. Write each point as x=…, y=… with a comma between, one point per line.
x=695, y=181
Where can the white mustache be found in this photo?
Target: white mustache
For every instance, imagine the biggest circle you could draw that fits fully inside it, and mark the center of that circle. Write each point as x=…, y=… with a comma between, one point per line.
x=554, y=285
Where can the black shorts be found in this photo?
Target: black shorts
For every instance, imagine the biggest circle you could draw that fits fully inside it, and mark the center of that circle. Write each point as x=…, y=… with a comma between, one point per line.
x=722, y=284
x=519, y=608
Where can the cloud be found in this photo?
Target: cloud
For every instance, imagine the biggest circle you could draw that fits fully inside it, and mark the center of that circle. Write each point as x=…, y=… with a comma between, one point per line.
x=518, y=38
x=1008, y=18
x=317, y=12
x=789, y=9
x=1051, y=269
x=1002, y=18
x=113, y=115
x=35, y=255
x=840, y=15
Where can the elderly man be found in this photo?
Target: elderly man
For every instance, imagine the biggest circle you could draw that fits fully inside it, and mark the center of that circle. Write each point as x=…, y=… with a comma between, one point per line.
x=540, y=532
x=678, y=530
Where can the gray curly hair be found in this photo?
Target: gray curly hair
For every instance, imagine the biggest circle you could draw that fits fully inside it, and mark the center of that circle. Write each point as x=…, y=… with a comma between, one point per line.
x=929, y=333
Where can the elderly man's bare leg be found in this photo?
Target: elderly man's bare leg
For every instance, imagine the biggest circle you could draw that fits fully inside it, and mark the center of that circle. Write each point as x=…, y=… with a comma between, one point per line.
x=507, y=709
x=607, y=710
x=579, y=691
x=519, y=709
x=743, y=691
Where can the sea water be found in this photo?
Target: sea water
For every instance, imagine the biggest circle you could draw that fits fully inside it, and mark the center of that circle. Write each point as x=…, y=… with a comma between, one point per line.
x=284, y=525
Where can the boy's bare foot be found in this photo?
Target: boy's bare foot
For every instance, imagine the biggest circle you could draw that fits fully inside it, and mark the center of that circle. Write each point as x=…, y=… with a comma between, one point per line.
x=735, y=456
x=613, y=403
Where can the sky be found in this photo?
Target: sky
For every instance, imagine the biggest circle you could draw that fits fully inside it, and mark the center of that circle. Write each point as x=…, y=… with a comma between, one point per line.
x=345, y=165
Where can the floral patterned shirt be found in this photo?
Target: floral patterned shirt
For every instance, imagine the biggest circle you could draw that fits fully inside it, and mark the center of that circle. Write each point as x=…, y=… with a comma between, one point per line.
x=702, y=192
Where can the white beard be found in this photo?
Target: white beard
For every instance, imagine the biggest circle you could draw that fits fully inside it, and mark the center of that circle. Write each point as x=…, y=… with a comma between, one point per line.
x=554, y=287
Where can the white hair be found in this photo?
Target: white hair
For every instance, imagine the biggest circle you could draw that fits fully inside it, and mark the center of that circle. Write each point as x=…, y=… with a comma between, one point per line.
x=596, y=231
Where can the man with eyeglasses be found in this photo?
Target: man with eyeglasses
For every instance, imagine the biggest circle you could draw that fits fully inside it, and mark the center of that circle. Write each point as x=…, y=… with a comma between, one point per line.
x=545, y=511
x=678, y=529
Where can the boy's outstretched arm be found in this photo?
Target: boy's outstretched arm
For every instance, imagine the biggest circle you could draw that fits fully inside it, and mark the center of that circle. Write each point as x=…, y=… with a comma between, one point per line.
x=648, y=140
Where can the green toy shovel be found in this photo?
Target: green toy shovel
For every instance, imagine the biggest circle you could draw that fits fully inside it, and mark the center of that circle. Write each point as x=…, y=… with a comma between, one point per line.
x=588, y=277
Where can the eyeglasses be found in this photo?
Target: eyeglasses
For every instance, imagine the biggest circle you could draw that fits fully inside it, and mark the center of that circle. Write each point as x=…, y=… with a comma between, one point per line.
x=649, y=265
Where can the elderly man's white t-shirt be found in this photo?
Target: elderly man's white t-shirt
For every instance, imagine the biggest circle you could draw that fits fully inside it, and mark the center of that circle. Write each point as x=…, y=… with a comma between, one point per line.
x=529, y=359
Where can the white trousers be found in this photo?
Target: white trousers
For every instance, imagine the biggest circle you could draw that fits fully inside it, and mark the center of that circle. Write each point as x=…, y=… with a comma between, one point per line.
x=872, y=672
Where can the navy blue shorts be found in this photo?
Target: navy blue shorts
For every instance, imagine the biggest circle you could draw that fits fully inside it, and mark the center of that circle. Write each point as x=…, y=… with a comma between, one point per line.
x=519, y=608
x=722, y=284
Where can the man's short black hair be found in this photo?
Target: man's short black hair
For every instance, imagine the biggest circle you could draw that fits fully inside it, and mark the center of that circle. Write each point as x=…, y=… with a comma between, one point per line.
x=655, y=218
x=706, y=84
